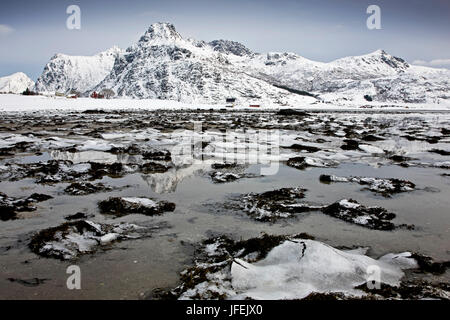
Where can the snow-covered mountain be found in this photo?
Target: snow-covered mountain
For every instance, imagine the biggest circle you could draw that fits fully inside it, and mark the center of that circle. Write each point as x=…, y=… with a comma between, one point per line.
x=300, y=73
x=164, y=65
x=381, y=76
x=15, y=83
x=81, y=73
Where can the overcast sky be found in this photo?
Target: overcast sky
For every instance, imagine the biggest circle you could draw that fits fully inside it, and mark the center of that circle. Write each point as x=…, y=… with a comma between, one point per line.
x=419, y=31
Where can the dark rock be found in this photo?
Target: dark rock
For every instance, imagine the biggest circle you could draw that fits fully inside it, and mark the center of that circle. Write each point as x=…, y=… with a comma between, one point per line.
x=292, y=112
x=368, y=98
x=220, y=177
x=132, y=150
x=383, y=186
x=6, y=151
x=371, y=137
x=10, y=206
x=84, y=188
x=98, y=170
x=157, y=155
x=398, y=158
x=39, y=197
x=272, y=205
x=79, y=215
x=350, y=145
x=370, y=217
x=441, y=152
x=123, y=206
x=325, y=178
x=297, y=162
x=432, y=140
x=299, y=147
x=445, y=131
x=92, y=111
x=223, y=165
x=426, y=264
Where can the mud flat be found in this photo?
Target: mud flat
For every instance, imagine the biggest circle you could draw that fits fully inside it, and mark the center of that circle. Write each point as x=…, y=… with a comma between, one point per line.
x=150, y=206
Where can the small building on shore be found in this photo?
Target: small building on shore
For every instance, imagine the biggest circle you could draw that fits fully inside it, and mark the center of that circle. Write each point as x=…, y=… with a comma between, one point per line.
x=96, y=95
x=230, y=102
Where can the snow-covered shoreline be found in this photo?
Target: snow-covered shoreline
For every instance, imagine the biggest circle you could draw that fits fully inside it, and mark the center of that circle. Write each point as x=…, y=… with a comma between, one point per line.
x=20, y=103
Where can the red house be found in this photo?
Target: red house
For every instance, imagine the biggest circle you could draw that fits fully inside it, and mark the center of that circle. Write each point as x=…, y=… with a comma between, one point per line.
x=96, y=95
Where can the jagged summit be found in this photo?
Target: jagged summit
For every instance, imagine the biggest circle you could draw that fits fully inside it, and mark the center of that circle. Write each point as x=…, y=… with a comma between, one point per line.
x=233, y=47
x=112, y=51
x=161, y=31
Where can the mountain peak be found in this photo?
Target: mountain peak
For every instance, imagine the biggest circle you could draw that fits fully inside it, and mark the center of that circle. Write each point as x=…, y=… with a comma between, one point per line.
x=113, y=50
x=227, y=46
x=19, y=75
x=378, y=52
x=161, y=31
x=392, y=61
x=15, y=83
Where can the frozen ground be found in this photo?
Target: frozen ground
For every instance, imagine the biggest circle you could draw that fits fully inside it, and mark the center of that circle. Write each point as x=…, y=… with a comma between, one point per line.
x=12, y=103
x=297, y=267
x=162, y=172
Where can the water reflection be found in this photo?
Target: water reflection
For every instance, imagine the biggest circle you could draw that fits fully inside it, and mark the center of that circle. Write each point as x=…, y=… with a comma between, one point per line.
x=95, y=156
x=167, y=182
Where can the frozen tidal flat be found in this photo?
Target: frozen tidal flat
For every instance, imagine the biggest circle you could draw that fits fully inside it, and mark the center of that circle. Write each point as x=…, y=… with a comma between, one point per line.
x=396, y=161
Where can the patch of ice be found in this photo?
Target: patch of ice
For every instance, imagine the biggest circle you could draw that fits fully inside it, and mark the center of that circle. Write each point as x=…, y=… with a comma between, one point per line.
x=347, y=204
x=141, y=201
x=213, y=249
x=338, y=179
x=403, y=260
x=97, y=145
x=293, y=270
x=370, y=149
x=109, y=237
x=443, y=164
x=362, y=219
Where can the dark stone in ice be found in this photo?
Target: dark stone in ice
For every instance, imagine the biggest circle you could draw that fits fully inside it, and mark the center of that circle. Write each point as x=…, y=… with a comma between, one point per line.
x=84, y=188
x=121, y=207
x=161, y=155
x=297, y=162
x=370, y=217
x=292, y=112
x=78, y=215
x=441, y=152
x=223, y=165
x=300, y=147
x=350, y=144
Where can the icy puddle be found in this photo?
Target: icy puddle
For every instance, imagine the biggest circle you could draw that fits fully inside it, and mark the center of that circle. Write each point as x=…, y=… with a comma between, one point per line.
x=117, y=195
